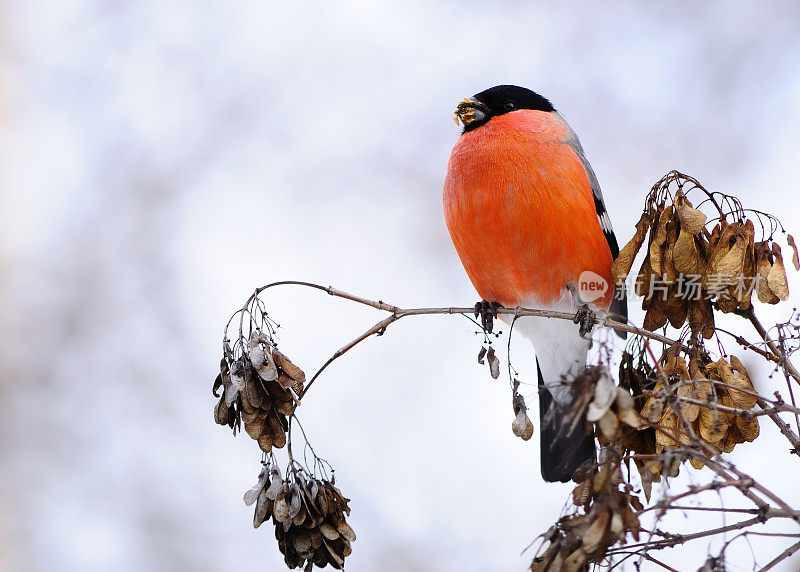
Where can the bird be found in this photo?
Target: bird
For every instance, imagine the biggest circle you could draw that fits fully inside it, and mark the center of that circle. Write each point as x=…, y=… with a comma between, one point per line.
x=527, y=218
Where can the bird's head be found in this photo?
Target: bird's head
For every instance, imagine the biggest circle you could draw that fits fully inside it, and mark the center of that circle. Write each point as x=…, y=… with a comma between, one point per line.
x=481, y=107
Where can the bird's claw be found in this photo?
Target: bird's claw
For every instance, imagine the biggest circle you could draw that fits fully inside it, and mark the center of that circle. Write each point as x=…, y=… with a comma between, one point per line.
x=488, y=312
x=586, y=320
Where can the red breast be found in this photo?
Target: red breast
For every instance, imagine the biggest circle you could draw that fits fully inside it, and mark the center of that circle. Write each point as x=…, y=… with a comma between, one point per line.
x=520, y=210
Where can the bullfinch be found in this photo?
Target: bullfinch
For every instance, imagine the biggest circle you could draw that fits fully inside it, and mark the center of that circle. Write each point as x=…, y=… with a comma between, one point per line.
x=527, y=218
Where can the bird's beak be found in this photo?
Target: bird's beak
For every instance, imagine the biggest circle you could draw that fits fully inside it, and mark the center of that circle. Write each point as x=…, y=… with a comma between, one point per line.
x=470, y=110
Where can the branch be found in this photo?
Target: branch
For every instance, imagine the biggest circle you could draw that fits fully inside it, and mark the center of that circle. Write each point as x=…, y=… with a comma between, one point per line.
x=777, y=351
x=782, y=556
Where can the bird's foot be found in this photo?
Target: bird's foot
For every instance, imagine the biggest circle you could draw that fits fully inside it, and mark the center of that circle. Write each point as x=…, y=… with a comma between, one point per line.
x=586, y=320
x=488, y=312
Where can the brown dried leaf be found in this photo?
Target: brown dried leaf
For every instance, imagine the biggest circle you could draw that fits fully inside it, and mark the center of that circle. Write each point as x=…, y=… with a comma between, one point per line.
x=624, y=261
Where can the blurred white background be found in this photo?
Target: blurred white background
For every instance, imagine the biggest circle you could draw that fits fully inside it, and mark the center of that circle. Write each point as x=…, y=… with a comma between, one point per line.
x=162, y=159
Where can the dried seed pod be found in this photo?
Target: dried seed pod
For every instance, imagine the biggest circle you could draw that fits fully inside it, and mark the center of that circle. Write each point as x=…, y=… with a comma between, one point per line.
x=701, y=317
x=261, y=359
x=263, y=508
x=256, y=428
x=689, y=411
x=280, y=510
x=575, y=561
x=596, y=531
x=730, y=267
x=328, y=531
x=275, y=483
x=692, y=220
x=346, y=532
x=265, y=443
x=686, y=256
x=763, y=269
x=643, y=282
x=696, y=463
x=609, y=425
x=748, y=427
x=237, y=374
x=654, y=405
x=795, y=260
x=494, y=363
x=712, y=424
x=777, y=275
x=251, y=495
x=582, y=493
x=221, y=412
x=521, y=424
x=740, y=379
x=667, y=430
x=622, y=265
x=659, y=239
x=604, y=394
x=288, y=367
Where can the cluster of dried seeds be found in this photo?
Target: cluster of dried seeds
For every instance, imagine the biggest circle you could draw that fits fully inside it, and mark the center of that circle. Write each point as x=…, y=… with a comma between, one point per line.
x=261, y=389
x=699, y=403
x=713, y=405
x=308, y=515
x=687, y=268
x=610, y=513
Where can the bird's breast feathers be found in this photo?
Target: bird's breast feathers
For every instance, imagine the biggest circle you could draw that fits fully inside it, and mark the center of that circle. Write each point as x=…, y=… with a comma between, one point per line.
x=519, y=206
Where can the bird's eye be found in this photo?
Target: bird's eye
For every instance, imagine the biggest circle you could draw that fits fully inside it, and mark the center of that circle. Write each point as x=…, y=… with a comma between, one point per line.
x=510, y=106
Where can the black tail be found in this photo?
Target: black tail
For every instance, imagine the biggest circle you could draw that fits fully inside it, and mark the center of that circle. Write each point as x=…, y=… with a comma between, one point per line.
x=563, y=450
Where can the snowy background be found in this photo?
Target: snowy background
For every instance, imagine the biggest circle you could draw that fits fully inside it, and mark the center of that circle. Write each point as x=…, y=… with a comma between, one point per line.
x=159, y=160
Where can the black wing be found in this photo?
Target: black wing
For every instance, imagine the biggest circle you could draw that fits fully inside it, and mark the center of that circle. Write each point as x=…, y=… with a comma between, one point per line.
x=619, y=305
